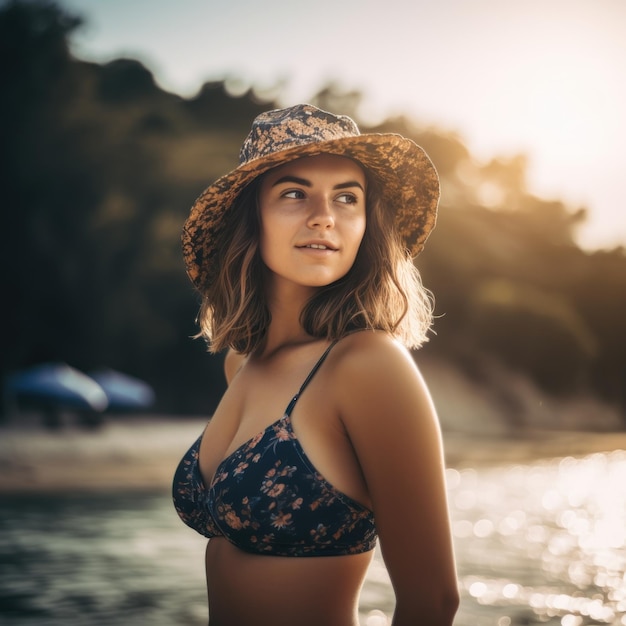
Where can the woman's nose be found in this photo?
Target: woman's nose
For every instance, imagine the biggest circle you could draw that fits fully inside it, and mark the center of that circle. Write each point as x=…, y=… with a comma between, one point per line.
x=321, y=215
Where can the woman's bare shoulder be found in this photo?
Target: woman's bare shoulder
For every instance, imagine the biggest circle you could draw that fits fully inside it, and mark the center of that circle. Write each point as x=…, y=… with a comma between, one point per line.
x=376, y=375
x=371, y=357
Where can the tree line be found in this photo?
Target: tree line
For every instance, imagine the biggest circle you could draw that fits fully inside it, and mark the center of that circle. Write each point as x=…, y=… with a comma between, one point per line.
x=99, y=167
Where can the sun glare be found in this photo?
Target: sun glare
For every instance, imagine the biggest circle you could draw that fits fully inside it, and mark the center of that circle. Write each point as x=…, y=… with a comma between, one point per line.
x=556, y=97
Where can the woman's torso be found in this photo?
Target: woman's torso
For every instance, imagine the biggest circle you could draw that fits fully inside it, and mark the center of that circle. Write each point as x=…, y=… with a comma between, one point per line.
x=244, y=586
x=247, y=589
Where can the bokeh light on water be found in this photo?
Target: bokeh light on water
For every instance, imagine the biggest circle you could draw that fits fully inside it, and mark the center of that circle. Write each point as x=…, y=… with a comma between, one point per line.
x=542, y=543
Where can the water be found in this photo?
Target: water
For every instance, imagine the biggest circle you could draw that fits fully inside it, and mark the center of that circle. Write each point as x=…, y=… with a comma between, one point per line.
x=540, y=543
x=543, y=543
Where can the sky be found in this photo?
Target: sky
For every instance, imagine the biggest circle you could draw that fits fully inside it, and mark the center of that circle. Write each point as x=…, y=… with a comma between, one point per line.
x=546, y=78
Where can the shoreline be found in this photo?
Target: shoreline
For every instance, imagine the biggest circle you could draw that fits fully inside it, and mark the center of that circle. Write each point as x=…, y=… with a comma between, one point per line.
x=141, y=453
x=477, y=450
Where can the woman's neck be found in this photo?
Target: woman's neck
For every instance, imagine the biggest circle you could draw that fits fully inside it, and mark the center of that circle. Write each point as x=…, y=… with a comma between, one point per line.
x=285, y=329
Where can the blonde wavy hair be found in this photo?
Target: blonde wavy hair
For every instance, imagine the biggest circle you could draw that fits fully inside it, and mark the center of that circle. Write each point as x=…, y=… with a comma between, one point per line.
x=382, y=291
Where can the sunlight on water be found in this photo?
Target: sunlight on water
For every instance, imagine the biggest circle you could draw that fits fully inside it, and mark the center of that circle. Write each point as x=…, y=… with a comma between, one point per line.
x=543, y=543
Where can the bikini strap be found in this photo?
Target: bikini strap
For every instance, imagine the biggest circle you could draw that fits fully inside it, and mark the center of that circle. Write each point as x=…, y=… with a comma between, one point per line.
x=309, y=377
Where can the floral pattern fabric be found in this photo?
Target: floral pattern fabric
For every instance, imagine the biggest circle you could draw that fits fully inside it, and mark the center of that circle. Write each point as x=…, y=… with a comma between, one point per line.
x=268, y=498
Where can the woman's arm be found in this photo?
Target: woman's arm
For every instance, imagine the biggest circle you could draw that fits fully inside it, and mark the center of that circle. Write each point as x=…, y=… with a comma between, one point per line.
x=390, y=419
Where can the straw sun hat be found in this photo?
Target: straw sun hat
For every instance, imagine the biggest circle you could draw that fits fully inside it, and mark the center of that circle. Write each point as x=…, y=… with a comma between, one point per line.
x=409, y=181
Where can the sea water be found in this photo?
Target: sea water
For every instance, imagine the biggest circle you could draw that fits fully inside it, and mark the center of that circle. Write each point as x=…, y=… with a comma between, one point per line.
x=539, y=543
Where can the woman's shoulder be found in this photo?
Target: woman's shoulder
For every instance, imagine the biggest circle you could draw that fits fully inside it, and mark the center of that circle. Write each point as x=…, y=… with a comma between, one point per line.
x=368, y=347
x=373, y=358
x=380, y=393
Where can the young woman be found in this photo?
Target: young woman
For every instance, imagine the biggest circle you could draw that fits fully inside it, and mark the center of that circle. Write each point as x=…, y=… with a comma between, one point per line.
x=326, y=440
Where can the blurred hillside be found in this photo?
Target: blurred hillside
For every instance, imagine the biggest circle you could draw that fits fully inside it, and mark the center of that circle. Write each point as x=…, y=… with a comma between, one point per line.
x=100, y=167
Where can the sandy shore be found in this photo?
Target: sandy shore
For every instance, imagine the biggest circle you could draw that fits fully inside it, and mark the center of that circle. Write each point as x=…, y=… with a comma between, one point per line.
x=141, y=453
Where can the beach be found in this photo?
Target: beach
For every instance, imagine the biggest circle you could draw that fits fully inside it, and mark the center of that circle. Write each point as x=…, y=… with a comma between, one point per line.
x=141, y=452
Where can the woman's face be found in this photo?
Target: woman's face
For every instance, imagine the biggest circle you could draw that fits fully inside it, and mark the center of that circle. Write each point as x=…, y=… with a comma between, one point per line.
x=312, y=214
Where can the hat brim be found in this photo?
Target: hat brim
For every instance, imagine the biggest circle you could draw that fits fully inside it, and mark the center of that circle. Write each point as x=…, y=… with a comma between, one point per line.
x=408, y=178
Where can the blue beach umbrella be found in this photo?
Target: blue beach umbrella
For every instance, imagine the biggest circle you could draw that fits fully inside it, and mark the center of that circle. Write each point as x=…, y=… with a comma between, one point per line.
x=124, y=393
x=59, y=385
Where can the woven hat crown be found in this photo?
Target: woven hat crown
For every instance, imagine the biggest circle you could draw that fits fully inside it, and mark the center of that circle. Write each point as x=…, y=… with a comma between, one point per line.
x=301, y=125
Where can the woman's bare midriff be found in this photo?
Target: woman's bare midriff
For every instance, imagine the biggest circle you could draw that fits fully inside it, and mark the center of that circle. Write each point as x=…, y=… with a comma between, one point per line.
x=265, y=590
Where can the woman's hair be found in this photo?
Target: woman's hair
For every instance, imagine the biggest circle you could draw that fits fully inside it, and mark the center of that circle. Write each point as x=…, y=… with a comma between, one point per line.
x=382, y=291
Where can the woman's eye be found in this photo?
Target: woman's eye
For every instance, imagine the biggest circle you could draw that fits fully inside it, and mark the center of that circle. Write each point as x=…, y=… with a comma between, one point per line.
x=347, y=198
x=294, y=194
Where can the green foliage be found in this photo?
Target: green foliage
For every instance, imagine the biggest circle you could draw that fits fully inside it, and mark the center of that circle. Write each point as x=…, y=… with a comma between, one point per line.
x=533, y=330
x=100, y=166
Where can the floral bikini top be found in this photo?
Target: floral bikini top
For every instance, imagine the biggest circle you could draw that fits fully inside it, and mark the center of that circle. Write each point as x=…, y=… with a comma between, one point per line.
x=268, y=498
